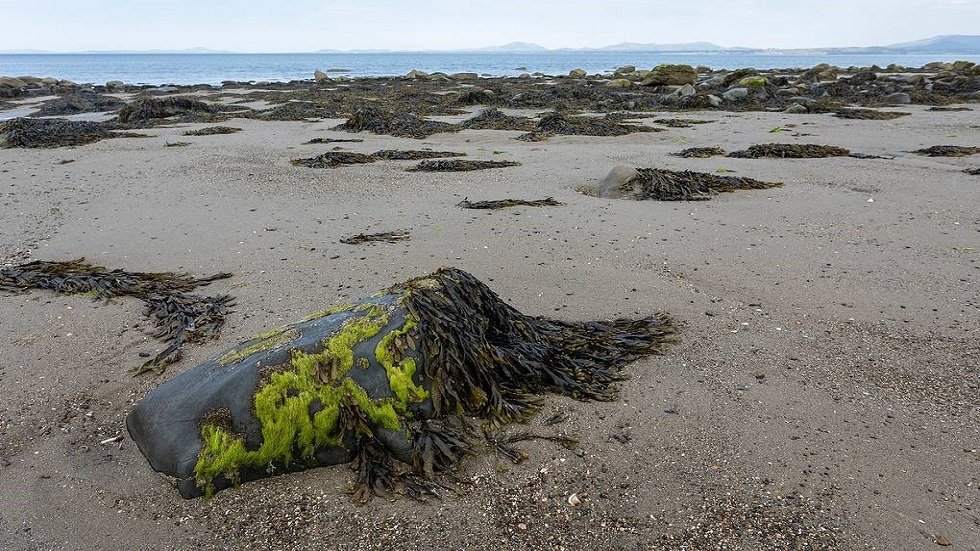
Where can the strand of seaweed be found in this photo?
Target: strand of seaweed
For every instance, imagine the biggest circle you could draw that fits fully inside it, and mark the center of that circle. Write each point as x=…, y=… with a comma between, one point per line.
x=387, y=237
x=506, y=203
x=668, y=185
x=178, y=317
x=459, y=165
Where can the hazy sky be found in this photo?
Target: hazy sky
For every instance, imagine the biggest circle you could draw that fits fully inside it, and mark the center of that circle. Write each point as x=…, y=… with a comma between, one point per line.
x=307, y=25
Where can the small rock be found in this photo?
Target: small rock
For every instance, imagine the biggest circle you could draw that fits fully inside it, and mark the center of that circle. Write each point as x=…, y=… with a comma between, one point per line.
x=320, y=77
x=736, y=94
x=796, y=109
x=941, y=540
x=898, y=98
x=616, y=184
x=619, y=83
x=577, y=73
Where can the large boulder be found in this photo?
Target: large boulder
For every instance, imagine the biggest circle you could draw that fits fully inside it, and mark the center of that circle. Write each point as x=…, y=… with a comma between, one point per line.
x=394, y=382
x=577, y=73
x=320, y=77
x=670, y=75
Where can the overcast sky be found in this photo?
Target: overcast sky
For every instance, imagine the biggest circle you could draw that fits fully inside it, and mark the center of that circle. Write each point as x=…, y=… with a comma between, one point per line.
x=308, y=25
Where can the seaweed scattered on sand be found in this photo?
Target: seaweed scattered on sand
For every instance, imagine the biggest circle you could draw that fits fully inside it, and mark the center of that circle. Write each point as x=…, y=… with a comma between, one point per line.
x=869, y=114
x=505, y=203
x=405, y=385
x=379, y=121
x=176, y=144
x=83, y=101
x=680, y=123
x=412, y=154
x=48, y=133
x=790, y=151
x=949, y=109
x=333, y=159
x=178, y=317
x=459, y=165
x=668, y=185
x=973, y=171
x=149, y=111
x=559, y=124
x=387, y=237
x=948, y=151
x=700, y=152
x=333, y=140
x=212, y=130
x=492, y=118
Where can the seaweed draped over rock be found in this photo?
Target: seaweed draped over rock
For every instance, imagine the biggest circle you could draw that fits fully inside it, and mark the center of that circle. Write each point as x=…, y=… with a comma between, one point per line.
x=668, y=185
x=398, y=383
x=179, y=317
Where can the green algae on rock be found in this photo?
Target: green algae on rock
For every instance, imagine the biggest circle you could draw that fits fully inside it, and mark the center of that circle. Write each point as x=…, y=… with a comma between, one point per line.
x=399, y=384
x=179, y=317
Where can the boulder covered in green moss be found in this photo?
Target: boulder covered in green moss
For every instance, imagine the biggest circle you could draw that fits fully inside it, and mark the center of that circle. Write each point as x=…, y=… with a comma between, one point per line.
x=400, y=384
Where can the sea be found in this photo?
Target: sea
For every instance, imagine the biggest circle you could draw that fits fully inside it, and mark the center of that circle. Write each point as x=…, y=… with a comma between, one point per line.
x=187, y=69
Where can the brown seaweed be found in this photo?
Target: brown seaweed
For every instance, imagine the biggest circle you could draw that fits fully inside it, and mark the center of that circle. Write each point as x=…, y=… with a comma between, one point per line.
x=506, y=203
x=83, y=101
x=680, y=123
x=973, y=171
x=948, y=151
x=460, y=165
x=949, y=109
x=333, y=140
x=790, y=151
x=700, y=152
x=149, y=111
x=379, y=121
x=668, y=185
x=413, y=155
x=333, y=159
x=387, y=237
x=49, y=133
x=869, y=114
x=492, y=118
x=178, y=317
x=212, y=130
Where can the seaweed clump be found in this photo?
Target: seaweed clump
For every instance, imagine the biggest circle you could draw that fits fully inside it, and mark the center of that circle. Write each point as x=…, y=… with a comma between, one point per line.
x=492, y=118
x=178, y=317
x=49, y=133
x=700, y=152
x=404, y=386
x=212, y=130
x=460, y=165
x=387, y=237
x=147, y=110
x=333, y=159
x=83, y=101
x=507, y=203
x=413, y=155
x=790, y=151
x=559, y=124
x=948, y=151
x=869, y=114
x=379, y=121
x=668, y=185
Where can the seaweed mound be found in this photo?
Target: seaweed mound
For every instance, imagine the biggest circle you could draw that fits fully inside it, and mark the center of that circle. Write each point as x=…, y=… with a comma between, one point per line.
x=149, y=110
x=406, y=125
x=386, y=237
x=790, y=151
x=459, y=165
x=400, y=384
x=83, y=101
x=558, y=124
x=699, y=152
x=47, y=133
x=667, y=185
x=948, y=151
x=333, y=159
x=492, y=118
x=212, y=130
x=413, y=154
x=179, y=317
x=870, y=114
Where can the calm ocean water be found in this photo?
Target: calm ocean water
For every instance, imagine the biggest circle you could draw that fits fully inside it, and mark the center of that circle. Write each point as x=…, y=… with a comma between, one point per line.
x=214, y=68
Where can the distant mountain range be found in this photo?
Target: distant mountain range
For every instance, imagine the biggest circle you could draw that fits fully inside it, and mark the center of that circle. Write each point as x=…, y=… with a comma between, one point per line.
x=945, y=44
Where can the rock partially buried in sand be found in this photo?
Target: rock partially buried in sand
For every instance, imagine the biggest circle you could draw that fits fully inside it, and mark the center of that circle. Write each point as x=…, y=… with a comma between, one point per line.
x=399, y=383
x=616, y=184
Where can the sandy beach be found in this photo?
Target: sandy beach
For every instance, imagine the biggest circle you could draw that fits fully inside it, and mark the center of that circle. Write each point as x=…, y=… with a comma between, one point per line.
x=825, y=392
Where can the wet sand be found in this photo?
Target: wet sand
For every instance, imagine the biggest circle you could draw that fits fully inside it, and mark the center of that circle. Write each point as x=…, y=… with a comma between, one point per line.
x=825, y=393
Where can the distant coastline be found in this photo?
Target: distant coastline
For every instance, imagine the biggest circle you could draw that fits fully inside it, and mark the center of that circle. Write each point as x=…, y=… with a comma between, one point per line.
x=938, y=45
